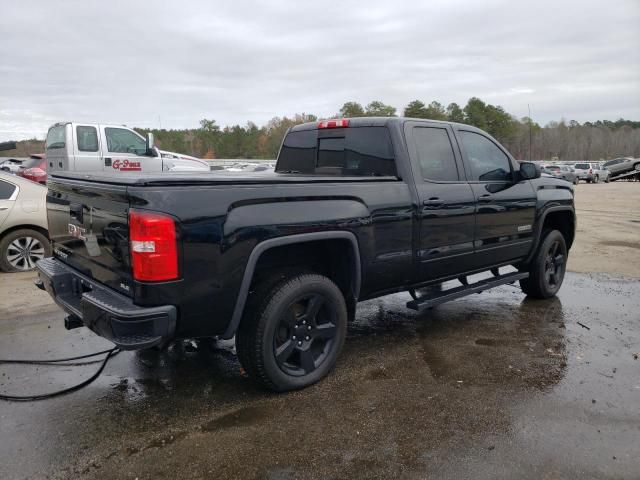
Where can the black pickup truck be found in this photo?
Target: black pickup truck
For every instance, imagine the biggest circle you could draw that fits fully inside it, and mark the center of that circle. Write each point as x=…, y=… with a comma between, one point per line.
x=356, y=209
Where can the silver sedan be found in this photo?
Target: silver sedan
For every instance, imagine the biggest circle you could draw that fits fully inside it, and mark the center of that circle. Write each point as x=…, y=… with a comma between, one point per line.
x=23, y=223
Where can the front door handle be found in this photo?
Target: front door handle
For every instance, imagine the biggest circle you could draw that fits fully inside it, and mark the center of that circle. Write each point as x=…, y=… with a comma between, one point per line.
x=433, y=202
x=485, y=198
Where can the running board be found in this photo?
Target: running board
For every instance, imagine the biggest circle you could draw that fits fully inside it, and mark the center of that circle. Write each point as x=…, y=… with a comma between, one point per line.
x=464, y=290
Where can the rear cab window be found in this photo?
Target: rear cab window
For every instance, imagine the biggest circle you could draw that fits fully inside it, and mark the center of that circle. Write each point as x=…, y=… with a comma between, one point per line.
x=582, y=166
x=351, y=151
x=87, y=138
x=435, y=154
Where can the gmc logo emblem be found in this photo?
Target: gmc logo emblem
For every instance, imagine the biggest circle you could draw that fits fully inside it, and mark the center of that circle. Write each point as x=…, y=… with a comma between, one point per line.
x=76, y=231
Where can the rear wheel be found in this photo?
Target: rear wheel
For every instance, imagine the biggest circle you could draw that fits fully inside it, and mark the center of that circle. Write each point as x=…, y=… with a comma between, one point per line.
x=21, y=249
x=293, y=331
x=636, y=167
x=596, y=179
x=547, y=269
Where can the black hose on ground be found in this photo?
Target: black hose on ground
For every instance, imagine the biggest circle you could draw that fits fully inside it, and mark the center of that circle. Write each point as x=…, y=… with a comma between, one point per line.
x=60, y=362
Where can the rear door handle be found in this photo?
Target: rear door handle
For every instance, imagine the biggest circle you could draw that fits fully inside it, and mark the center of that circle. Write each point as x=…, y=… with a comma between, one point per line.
x=433, y=202
x=107, y=162
x=485, y=198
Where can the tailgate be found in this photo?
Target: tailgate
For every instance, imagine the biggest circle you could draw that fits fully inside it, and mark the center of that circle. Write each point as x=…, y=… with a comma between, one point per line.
x=88, y=226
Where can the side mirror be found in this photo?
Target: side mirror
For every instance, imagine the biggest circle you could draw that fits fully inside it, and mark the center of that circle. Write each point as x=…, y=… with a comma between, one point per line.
x=529, y=171
x=150, y=145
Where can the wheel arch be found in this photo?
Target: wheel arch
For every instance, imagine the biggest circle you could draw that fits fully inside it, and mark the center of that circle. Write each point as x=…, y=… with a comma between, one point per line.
x=37, y=228
x=261, y=251
x=556, y=217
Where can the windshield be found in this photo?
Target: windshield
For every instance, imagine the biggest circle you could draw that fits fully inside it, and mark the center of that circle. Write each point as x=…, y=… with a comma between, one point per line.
x=56, y=137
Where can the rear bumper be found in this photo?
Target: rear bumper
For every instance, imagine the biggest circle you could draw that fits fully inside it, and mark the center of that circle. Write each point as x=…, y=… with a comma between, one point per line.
x=107, y=313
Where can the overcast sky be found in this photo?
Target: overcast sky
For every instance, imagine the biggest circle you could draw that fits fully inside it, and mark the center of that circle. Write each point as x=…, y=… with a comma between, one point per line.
x=176, y=62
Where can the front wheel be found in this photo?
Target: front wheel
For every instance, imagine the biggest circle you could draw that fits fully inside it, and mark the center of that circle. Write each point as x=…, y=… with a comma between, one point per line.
x=596, y=179
x=293, y=331
x=547, y=269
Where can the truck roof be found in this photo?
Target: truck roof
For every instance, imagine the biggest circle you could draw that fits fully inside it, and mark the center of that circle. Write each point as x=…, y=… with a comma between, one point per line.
x=380, y=122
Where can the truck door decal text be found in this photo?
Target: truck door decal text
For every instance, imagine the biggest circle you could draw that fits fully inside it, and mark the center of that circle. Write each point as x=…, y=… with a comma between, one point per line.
x=126, y=165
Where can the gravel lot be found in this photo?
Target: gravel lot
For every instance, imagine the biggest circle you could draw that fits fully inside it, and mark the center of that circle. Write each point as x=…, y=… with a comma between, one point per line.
x=490, y=386
x=608, y=236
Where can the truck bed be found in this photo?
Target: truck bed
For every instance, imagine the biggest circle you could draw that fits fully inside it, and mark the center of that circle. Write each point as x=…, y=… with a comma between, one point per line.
x=213, y=178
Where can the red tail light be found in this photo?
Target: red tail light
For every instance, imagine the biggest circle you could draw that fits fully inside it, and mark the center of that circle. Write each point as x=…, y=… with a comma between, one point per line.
x=154, y=251
x=334, y=123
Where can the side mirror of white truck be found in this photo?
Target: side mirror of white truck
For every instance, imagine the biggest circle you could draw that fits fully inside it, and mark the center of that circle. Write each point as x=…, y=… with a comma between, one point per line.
x=150, y=145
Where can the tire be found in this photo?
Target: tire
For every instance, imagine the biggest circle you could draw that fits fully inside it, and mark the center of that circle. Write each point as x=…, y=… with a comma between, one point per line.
x=21, y=249
x=546, y=275
x=293, y=330
x=596, y=179
x=576, y=181
x=636, y=167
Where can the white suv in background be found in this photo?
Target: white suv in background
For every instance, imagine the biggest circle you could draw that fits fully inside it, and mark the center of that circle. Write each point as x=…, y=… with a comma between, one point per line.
x=591, y=172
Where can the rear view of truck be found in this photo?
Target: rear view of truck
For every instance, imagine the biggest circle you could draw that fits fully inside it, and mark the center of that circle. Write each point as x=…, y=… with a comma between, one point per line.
x=101, y=248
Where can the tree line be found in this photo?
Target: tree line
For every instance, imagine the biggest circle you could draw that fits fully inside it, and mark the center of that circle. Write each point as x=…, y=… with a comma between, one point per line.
x=524, y=138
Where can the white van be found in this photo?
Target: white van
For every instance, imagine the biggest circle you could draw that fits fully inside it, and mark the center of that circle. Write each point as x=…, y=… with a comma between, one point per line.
x=86, y=147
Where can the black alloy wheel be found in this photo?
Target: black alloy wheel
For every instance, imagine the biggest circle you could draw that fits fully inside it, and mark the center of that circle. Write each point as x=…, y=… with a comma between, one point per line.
x=292, y=331
x=554, y=266
x=547, y=268
x=305, y=335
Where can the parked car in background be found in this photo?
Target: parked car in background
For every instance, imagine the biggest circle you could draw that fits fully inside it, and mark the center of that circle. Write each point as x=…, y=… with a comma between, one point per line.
x=601, y=173
x=591, y=172
x=35, y=168
x=11, y=164
x=621, y=165
x=564, y=172
x=24, y=238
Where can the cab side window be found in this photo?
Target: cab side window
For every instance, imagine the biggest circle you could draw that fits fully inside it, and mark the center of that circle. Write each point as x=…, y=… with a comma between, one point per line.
x=87, y=139
x=487, y=162
x=435, y=154
x=121, y=140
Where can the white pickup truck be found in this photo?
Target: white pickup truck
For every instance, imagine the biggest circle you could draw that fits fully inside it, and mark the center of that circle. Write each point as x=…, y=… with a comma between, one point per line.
x=86, y=147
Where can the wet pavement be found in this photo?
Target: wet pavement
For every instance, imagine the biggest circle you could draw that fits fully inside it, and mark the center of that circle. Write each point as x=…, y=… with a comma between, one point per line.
x=490, y=386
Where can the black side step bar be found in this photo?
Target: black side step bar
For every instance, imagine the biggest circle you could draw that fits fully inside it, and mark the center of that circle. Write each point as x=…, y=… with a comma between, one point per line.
x=464, y=290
